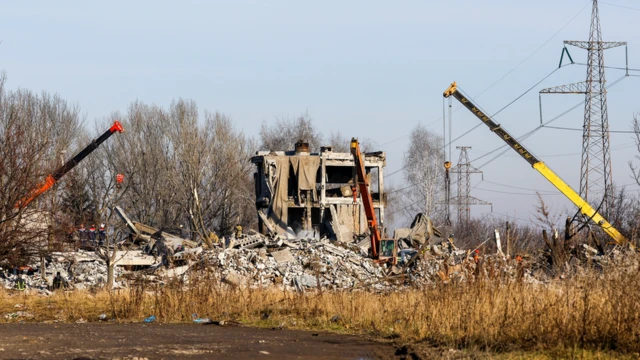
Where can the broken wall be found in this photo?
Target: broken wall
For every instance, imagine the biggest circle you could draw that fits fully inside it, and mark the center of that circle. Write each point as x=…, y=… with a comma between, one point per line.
x=314, y=183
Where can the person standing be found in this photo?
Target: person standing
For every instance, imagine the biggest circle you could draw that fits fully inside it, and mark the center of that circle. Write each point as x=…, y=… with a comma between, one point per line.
x=164, y=248
x=57, y=281
x=20, y=284
x=82, y=234
x=102, y=235
x=92, y=235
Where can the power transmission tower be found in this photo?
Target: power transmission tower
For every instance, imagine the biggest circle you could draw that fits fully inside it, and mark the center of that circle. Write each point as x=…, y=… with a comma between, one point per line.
x=464, y=199
x=595, y=169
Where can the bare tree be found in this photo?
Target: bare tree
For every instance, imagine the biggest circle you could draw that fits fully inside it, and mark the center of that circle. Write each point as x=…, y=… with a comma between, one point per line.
x=228, y=179
x=190, y=160
x=144, y=153
x=423, y=171
x=179, y=170
x=341, y=143
x=99, y=176
x=285, y=132
x=34, y=129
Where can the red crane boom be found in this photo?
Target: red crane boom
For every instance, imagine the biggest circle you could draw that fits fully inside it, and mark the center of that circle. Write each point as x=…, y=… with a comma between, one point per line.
x=67, y=166
x=367, y=200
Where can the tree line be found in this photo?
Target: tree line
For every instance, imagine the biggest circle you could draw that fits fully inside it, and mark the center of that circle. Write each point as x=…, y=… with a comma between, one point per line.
x=180, y=168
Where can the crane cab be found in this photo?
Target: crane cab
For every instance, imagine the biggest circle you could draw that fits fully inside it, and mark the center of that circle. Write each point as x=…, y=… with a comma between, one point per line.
x=388, y=252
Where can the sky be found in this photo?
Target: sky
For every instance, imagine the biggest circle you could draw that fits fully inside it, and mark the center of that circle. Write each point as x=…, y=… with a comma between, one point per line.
x=369, y=69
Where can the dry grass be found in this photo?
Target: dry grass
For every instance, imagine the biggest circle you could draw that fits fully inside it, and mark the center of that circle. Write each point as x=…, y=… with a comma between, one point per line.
x=595, y=311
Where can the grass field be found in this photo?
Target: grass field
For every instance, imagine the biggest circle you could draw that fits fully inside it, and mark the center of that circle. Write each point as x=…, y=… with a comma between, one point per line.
x=591, y=312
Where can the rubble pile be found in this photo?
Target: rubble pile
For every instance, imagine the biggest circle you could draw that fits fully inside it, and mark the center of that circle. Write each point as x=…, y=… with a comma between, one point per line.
x=80, y=269
x=253, y=260
x=330, y=265
x=307, y=263
x=285, y=261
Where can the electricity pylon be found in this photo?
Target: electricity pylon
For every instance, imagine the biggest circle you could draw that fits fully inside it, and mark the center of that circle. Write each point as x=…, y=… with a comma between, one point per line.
x=595, y=170
x=463, y=199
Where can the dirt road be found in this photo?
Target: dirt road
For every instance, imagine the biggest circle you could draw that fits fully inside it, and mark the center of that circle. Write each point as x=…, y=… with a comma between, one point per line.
x=178, y=341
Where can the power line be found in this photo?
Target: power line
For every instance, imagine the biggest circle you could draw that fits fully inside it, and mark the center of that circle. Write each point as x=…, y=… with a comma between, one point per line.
x=514, y=187
x=524, y=136
x=402, y=189
x=579, y=129
x=610, y=67
x=620, y=6
x=515, y=193
x=536, y=50
x=517, y=218
x=621, y=146
x=394, y=172
x=505, y=75
x=480, y=124
x=506, y=106
x=531, y=132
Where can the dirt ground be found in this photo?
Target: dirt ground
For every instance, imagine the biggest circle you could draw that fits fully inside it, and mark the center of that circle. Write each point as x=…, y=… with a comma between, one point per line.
x=179, y=341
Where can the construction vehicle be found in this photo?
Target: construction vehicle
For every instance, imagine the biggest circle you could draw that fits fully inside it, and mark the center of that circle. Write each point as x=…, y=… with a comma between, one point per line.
x=67, y=166
x=585, y=208
x=382, y=250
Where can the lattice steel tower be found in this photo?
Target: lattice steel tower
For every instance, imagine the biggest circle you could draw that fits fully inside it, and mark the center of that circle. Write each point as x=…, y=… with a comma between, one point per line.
x=595, y=169
x=463, y=199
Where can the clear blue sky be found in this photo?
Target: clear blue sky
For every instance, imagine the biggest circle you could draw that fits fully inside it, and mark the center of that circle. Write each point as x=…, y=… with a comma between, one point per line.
x=372, y=69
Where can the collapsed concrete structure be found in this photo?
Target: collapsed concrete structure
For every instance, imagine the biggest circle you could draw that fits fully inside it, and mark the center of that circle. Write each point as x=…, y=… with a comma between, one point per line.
x=306, y=194
x=253, y=260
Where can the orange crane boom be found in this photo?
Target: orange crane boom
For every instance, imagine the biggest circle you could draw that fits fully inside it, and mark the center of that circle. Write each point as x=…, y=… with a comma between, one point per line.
x=67, y=166
x=367, y=200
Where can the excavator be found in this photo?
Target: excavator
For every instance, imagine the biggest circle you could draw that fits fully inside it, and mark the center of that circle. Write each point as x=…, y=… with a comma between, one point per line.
x=383, y=251
x=67, y=166
x=585, y=208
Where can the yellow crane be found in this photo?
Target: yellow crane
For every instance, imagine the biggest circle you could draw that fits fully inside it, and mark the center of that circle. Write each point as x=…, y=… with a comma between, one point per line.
x=585, y=208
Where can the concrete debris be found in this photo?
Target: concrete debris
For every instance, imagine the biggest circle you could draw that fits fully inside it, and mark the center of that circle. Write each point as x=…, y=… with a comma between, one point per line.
x=80, y=269
x=336, y=225
x=19, y=314
x=126, y=220
x=421, y=231
x=125, y=258
x=282, y=256
x=232, y=278
x=249, y=242
x=302, y=264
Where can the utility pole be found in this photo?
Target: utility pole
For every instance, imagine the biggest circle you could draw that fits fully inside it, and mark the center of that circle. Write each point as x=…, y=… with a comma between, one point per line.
x=464, y=199
x=508, y=232
x=595, y=170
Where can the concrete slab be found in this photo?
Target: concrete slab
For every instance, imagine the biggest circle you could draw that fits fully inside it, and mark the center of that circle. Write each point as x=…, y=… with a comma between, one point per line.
x=282, y=256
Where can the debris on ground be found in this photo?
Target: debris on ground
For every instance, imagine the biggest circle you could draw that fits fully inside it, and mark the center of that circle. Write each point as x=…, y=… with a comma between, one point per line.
x=293, y=263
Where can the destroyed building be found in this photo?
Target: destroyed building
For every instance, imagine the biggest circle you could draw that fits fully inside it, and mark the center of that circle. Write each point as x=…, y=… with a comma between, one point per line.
x=313, y=194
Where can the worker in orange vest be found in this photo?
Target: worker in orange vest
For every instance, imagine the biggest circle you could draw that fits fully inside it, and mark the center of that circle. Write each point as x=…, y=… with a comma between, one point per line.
x=476, y=255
